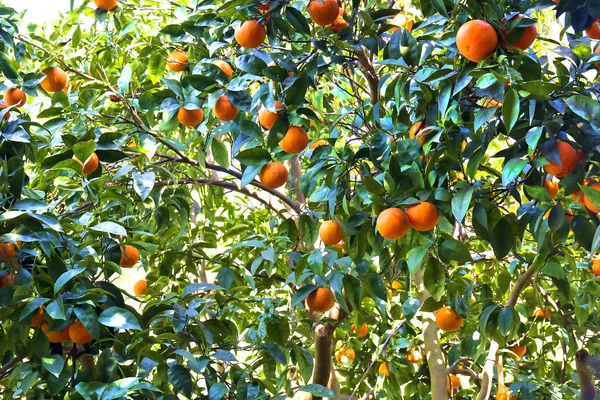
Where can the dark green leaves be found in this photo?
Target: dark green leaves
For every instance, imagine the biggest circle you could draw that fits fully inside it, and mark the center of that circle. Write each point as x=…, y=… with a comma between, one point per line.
x=510, y=109
x=251, y=64
x=297, y=20
x=452, y=250
x=434, y=279
x=181, y=379
x=512, y=170
x=120, y=318
x=586, y=108
x=318, y=390
x=461, y=202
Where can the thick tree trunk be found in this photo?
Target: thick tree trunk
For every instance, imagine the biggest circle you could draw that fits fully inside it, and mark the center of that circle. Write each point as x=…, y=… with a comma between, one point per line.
x=323, y=357
x=588, y=368
x=433, y=351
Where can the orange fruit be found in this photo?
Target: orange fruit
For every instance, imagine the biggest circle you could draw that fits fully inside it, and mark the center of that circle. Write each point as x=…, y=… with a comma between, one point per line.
x=129, y=256
x=552, y=187
x=527, y=37
x=361, y=332
x=9, y=249
x=491, y=103
x=225, y=67
x=79, y=334
x=392, y=223
x=264, y=7
x=569, y=215
x=323, y=12
x=69, y=86
x=38, y=318
x=106, y=5
x=593, y=31
x=448, y=320
x=294, y=141
x=177, y=61
x=90, y=165
x=415, y=132
x=452, y=384
x=331, y=233
x=384, y=369
x=539, y=313
x=190, y=117
x=15, y=96
x=55, y=79
x=344, y=352
x=423, y=217
x=224, y=110
x=476, y=40
x=597, y=51
x=396, y=285
x=7, y=115
x=415, y=357
x=339, y=23
x=250, y=34
x=578, y=196
x=140, y=287
x=568, y=159
x=56, y=336
x=318, y=143
x=518, y=350
x=320, y=300
x=504, y=394
x=588, y=203
x=268, y=118
x=400, y=21
x=595, y=266
x=273, y=175
x=8, y=280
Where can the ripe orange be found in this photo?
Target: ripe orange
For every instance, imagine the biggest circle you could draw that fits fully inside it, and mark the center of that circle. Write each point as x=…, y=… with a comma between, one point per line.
x=273, y=175
x=294, y=141
x=400, y=21
x=177, y=61
x=415, y=132
x=38, y=318
x=224, y=110
x=384, y=369
x=56, y=336
x=90, y=165
x=250, y=34
x=15, y=96
x=518, y=350
x=331, y=233
x=55, y=79
x=597, y=51
x=140, y=287
x=491, y=103
x=106, y=5
x=423, y=217
x=344, y=352
x=415, y=357
x=504, y=394
x=569, y=214
x=396, y=285
x=129, y=256
x=361, y=332
x=190, y=117
x=323, y=12
x=552, y=187
x=476, y=40
x=69, y=86
x=539, y=313
x=339, y=23
x=9, y=249
x=448, y=320
x=568, y=159
x=267, y=118
x=452, y=384
x=7, y=115
x=79, y=334
x=225, y=67
x=318, y=143
x=593, y=31
x=8, y=280
x=588, y=203
x=264, y=7
x=527, y=37
x=320, y=300
x=392, y=223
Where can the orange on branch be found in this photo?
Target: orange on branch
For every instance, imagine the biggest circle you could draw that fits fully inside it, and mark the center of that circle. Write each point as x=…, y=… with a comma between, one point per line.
x=542, y=313
x=38, y=318
x=331, y=233
x=339, y=23
x=190, y=117
x=60, y=336
x=323, y=12
x=225, y=67
x=415, y=357
x=55, y=80
x=384, y=369
x=476, y=40
x=527, y=37
x=15, y=96
x=452, y=384
x=264, y=7
x=415, y=132
x=106, y=5
x=361, y=332
x=129, y=256
x=396, y=285
x=448, y=320
x=504, y=394
x=345, y=352
x=423, y=217
x=400, y=21
x=517, y=350
x=268, y=118
x=588, y=204
x=568, y=158
x=9, y=249
x=596, y=266
x=273, y=175
x=8, y=280
x=593, y=31
x=90, y=165
x=552, y=187
x=79, y=334
x=224, y=110
x=392, y=223
x=250, y=34
x=294, y=141
x=318, y=143
x=320, y=300
x=140, y=287
x=177, y=61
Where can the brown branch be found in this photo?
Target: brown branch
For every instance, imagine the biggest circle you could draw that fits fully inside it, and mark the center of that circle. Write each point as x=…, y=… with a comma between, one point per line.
x=370, y=74
x=77, y=210
x=323, y=360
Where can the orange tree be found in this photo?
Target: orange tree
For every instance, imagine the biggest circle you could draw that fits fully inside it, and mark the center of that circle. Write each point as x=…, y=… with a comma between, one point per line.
x=325, y=199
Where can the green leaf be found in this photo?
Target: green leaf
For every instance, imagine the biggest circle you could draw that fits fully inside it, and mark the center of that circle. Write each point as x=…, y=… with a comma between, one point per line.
x=372, y=185
x=510, y=109
x=504, y=235
x=415, y=256
x=512, y=170
x=124, y=79
x=585, y=107
x=434, y=279
x=143, y=183
x=54, y=364
x=378, y=286
x=220, y=154
x=301, y=294
x=461, y=202
x=217, y=391
x=110, y=227
x=116, y=317
x=539, y=90
x=318, y=390
x=297, y=20
x=83, y=150
x=32, y=306
x=453, y=250
x=410, y=308
x=66, y=277
x=251, y=64
x=505, y=320
x=181, y=379
x=86, y=314
x=592, y=195
x=256, y=156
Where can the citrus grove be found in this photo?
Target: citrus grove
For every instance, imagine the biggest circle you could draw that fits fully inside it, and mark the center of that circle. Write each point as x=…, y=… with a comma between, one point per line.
x=320, y=198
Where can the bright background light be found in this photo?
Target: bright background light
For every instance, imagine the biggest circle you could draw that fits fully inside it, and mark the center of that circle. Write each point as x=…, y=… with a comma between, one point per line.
x=40, y=11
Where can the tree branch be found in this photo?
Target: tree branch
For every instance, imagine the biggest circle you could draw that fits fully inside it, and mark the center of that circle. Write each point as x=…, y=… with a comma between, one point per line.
x=370, y=74
x=323, y=359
